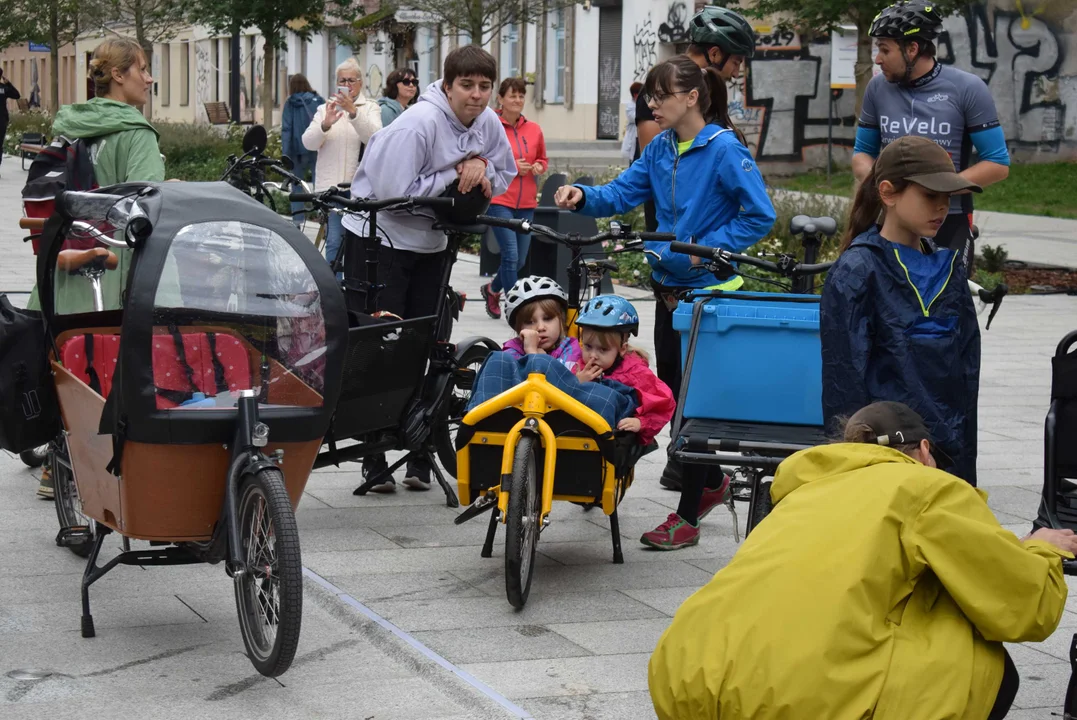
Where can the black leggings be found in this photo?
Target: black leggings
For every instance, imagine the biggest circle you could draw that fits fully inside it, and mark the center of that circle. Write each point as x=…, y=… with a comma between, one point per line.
x=1007, y=691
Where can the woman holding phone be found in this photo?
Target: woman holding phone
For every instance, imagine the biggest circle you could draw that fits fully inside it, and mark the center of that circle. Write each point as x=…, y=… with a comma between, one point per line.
x=337, y=133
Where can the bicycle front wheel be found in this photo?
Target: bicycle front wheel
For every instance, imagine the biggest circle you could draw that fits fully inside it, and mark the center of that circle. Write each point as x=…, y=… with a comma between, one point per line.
x=269, y=593
x=68, y=505
x=522, y=523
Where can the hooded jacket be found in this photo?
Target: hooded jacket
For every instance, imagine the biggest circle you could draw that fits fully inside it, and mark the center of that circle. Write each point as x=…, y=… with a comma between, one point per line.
x=390, y=110
x=123, y=147
x=338, y=149
x=877, y=587
x=123, y=144
x=418, y=155
x=882, y=341
x=527, y=142
x=712, y=194
x=654, y=399
x=299, y=112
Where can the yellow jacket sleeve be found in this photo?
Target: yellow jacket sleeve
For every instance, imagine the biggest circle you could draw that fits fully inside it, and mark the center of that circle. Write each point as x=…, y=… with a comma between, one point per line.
x=1011, y=591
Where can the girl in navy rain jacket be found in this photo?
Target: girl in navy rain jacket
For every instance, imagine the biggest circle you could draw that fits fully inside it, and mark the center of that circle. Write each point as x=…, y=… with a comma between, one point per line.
x=707, y=190
x=897, y=321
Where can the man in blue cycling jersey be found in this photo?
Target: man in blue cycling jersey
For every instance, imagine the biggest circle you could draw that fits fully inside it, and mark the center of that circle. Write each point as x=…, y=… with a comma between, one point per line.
x=916, y=95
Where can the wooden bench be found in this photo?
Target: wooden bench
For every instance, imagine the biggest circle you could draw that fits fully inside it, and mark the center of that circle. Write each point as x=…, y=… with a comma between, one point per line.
x=217, y=113
x=30, y=144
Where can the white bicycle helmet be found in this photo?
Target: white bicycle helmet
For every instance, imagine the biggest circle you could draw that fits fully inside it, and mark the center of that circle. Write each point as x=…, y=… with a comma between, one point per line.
x=533, y=287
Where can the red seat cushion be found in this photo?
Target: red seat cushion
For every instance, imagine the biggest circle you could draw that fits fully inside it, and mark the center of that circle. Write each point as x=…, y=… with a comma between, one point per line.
x=170, y=374
x=106, y=353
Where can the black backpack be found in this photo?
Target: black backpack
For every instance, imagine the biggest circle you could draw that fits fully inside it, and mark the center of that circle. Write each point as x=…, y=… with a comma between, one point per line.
x=29, y=413
x=63, y=165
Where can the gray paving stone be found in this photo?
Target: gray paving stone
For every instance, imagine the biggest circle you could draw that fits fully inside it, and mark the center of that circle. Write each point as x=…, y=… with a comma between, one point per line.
x=473, y=533
x=566, y=676
x=37, y=617
x=459, y=613
x=597, y=706
x=556, y=580
x=403, y=560
x=1043, y=686
x=366, y=587
x=613, y=637
x=501, y=644
x=664, y=600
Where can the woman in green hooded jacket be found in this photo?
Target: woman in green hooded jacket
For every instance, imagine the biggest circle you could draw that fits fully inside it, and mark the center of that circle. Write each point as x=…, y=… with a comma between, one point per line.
x=123, y=147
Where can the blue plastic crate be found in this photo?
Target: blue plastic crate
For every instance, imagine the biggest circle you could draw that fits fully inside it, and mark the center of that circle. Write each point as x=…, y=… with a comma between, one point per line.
x=757, y=358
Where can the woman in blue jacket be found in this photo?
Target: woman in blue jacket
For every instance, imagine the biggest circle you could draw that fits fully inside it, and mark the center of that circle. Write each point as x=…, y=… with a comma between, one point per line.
x=707, y=190
x=299, y=110
x=897, y=321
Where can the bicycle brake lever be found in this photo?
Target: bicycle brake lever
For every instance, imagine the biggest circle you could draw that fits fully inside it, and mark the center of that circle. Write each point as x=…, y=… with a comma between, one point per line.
x=996, y=296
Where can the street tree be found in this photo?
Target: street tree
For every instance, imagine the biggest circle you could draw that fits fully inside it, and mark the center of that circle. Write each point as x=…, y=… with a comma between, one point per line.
x=52, y=22
x=273, y=19
x=151, y=21
x=481, y=19
x=808, y=16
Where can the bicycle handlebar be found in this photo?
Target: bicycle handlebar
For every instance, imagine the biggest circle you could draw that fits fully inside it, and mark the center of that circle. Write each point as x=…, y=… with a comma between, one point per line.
x=572, y=239
x=725, y=257
x=336, y=198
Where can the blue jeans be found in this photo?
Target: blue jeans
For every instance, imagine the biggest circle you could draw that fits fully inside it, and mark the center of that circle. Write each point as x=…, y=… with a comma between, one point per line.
x=303, y=163
x=334, y=234
x=514, y=247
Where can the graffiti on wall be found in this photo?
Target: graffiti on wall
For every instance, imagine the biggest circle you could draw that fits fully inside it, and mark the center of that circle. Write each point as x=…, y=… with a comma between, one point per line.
x=645, y=48
x=204, y=75
x=780, y=103
x=675, y=28
x=1019, y=57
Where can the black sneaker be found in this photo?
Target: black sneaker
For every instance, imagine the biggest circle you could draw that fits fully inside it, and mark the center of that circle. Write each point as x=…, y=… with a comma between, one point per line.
x=418, y=476
x=372, y=465
x=671, y=476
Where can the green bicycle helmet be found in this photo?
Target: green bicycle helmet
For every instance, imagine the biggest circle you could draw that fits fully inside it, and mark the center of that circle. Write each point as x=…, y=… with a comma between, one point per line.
x=907, y=20
x=725, y=28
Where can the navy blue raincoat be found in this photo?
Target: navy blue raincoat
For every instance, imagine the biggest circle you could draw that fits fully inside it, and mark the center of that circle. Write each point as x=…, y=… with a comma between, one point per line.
x=882, y=341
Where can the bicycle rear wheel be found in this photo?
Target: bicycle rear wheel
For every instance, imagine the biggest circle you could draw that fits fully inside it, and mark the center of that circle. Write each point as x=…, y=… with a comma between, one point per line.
x=456, y=405
x=68, y=505
x=269, y=593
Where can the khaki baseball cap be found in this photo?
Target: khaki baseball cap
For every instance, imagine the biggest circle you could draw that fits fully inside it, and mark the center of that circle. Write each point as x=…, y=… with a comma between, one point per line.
x=923, y=162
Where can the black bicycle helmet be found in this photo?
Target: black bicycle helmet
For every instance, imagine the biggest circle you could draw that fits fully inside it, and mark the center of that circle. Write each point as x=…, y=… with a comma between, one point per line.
x=465, y=206
x=907, y=20
x=725, y=28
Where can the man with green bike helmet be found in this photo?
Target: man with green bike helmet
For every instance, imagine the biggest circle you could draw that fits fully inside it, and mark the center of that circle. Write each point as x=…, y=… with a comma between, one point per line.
x=723, y=38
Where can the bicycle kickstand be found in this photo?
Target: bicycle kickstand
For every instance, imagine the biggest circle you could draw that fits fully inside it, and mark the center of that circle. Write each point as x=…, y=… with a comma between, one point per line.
x=450, y=495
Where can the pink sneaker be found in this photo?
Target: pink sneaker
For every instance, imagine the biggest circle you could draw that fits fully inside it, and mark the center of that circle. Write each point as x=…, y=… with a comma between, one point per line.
x=673, y=534
x=492, y=300
x=714, y=498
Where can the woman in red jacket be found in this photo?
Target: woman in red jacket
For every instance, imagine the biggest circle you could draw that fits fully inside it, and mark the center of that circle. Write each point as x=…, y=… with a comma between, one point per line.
x=520, y=199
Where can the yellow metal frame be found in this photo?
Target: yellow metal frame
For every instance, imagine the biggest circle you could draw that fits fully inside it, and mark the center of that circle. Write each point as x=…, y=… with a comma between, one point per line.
x=535, y=397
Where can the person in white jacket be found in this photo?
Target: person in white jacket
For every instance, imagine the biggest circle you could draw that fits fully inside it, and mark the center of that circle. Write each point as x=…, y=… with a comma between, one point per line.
x=337, y=133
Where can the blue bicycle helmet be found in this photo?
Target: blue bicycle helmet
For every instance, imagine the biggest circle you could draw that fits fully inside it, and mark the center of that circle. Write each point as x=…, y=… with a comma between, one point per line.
x=609, y=312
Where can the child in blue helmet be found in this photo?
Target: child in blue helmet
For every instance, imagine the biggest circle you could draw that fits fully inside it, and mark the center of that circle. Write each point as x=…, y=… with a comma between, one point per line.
x=535, y=308
x=606, y=322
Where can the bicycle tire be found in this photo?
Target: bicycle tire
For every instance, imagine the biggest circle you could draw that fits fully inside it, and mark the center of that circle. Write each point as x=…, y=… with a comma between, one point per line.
x=34, y=458
x=66, y=498
x=459, y=395
x=265, y=599
x=761, y=507
x=521, y=523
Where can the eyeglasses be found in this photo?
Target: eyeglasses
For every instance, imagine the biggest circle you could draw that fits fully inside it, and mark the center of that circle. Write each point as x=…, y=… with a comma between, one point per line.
x=410, y=81
x=660, y=98
x=347, y=81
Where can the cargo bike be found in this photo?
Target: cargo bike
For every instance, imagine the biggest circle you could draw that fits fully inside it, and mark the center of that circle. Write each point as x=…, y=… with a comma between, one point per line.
x=195, y=341
x=520, y=451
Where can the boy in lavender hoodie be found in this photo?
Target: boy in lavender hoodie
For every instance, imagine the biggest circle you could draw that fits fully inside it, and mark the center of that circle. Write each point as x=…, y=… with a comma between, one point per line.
x=450, y=133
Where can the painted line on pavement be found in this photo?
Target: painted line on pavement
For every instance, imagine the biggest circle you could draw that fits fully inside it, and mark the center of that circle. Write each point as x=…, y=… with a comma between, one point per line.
x=467, y=677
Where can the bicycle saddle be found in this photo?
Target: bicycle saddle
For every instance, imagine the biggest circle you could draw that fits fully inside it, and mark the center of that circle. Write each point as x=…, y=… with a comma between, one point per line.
x=453, y=229
x=802, y=224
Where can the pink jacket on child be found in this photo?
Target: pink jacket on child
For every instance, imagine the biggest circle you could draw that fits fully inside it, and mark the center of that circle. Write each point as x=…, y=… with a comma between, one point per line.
x=656, y=401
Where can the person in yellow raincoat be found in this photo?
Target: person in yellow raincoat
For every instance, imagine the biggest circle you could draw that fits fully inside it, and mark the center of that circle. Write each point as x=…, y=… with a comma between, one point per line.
x=878, y=587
